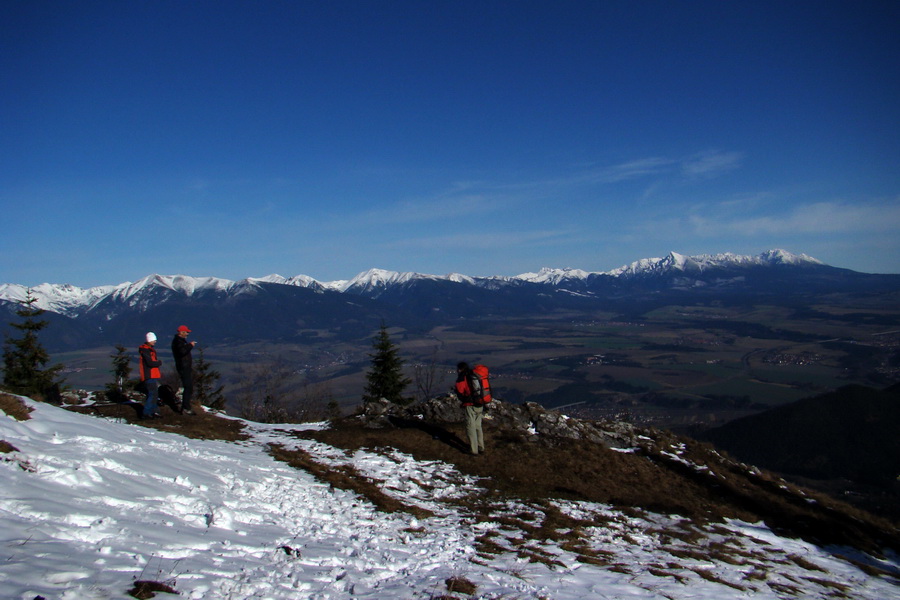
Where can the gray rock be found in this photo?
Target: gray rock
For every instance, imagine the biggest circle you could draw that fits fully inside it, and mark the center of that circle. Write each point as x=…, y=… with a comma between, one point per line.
x=531, y=421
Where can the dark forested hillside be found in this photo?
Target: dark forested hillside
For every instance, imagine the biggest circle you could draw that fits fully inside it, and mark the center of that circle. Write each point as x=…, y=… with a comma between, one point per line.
x=849, y=435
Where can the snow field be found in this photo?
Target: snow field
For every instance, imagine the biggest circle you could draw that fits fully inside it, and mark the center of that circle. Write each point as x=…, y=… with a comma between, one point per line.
x=88, y=506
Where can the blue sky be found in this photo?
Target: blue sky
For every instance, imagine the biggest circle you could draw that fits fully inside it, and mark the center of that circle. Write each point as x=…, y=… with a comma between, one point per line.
x=238, y=139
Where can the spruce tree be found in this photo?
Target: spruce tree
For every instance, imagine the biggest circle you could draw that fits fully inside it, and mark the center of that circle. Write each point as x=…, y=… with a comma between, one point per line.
x=121, y=361
x=24, y=358
x=205, y=380
x=385, y=378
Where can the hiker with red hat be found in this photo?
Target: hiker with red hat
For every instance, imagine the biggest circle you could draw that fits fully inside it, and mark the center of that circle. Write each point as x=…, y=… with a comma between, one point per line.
x=181, y=350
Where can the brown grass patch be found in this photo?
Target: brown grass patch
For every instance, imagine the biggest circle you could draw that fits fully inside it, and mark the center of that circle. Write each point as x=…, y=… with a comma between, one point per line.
x=658, y=572
x=649, y=480
x=144, y=590
x=621, y=569
x=202, y=425
x=827, y=583
x=585, y=554
x=566, y=469
x=537, y=555
x=461, y=585
x=347, y=478
x=14, y=406
x=804, y=563
x=684, y=533
x=784, y=589
x=698, y=554
x=757, y=574
x=485, y=545
x=705, y=574
x=723, y=552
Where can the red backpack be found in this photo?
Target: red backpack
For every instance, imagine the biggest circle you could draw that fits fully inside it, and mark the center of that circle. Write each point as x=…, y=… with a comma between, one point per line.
x=480, y=372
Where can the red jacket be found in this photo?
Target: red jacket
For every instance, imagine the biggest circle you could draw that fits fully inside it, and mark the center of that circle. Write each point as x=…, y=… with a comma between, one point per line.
x=149, y=364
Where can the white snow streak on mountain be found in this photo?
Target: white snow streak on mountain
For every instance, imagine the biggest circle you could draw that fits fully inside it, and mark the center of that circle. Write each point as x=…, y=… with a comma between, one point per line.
x=89, y=505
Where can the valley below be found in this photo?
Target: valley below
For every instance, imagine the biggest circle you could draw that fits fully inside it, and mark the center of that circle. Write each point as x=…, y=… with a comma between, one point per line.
x=681, y=367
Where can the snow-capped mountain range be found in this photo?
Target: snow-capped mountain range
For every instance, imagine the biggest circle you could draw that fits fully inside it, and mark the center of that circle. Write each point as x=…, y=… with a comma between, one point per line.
x=300, y=308
x=66, y=299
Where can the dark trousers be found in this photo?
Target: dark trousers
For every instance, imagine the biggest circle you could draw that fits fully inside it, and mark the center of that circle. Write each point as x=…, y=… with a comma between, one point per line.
x=151, y=404
x=187, y=382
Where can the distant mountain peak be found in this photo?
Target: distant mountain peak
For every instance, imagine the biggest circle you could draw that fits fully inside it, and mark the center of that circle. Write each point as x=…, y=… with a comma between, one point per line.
x=374, y=279
x=785, y=257
x=553, y=276
x=702, y=262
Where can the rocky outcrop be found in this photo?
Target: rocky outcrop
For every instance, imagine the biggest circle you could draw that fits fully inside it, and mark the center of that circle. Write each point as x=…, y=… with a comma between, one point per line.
x=531, y=421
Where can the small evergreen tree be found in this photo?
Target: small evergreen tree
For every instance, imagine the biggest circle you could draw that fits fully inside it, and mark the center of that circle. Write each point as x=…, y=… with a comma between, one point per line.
x=385, y=378
x=121, y=370
x=205, y=380
x=333, y=410
x=24, y=358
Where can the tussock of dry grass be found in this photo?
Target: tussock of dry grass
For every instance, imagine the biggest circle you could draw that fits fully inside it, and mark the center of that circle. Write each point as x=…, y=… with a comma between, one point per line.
x=709, y=576
x=201, y=426
x=461, y=585
x=143, y=590
x=346, y=477
x=14, y=407
x=806, y=564
x=658, y=572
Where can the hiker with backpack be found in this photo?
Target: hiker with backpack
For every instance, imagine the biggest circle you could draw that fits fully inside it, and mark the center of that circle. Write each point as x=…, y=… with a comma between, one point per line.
x=474, y=391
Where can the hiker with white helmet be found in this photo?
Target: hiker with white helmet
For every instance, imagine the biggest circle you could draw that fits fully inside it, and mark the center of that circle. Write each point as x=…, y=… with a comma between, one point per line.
x=150, y=376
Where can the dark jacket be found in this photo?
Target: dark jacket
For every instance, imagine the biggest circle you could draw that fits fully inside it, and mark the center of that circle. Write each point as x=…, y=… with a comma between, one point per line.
x=181, y=350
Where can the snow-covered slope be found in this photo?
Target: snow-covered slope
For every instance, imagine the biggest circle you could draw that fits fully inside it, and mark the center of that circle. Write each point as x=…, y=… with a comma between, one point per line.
x=88, y=506
x=63, y=299
x=69, y=299
x=702, y=262
x=375, y=279
x=129, y=293
x=553, y=276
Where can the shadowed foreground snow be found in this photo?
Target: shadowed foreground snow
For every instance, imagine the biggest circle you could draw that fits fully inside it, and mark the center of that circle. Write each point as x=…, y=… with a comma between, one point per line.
x=89, y=505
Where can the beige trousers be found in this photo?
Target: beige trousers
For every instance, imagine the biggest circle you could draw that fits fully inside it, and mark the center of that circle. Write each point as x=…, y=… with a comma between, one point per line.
x=474, y=415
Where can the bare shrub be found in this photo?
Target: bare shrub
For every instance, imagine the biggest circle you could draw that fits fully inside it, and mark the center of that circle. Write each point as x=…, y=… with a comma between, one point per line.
x=318, y=400
x=427, y=377
x=274, y=393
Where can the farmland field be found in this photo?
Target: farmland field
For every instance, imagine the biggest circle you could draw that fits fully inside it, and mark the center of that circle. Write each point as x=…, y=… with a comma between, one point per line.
x=676, y=366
